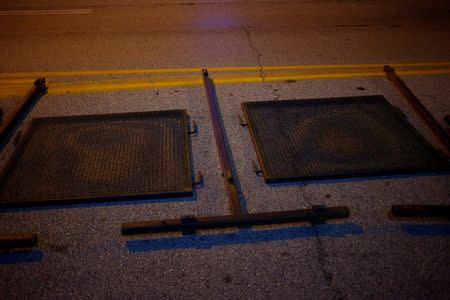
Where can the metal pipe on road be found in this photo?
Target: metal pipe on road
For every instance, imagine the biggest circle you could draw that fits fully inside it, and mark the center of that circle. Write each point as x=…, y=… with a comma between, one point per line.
x=418, y=106
x=219, y=135
x=190, y=225
x=10, y=123
x=17, y=240
x=430, y=211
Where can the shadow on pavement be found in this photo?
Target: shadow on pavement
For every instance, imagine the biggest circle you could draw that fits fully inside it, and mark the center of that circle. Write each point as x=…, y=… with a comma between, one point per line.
x=244, y=236
x=15, y=257
x=426, y=229
x=99, y=203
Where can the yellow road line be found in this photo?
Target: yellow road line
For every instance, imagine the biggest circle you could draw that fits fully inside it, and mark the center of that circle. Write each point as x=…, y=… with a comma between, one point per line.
x=128, y=85
x=325, y=67
x=65, y=89
x=226, y=77
x=215, y=69
x=56, y=88
x=16, y=81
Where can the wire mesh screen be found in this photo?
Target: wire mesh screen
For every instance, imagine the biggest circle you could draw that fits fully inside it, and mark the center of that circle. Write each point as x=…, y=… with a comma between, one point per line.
x=336, y=137
x=100, y=156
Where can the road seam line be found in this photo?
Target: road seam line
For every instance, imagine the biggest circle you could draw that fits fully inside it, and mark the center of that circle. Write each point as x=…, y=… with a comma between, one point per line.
x=46, y=12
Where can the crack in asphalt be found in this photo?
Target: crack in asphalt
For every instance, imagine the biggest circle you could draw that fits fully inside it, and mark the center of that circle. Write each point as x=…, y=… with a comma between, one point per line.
x=321, y=259
x=262, y=73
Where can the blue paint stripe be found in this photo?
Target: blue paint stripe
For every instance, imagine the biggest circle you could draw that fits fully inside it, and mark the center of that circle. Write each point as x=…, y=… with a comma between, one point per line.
x=249, y=236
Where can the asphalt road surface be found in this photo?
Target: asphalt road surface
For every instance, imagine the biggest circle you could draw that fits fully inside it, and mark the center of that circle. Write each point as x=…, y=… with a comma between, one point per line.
x=129, y=56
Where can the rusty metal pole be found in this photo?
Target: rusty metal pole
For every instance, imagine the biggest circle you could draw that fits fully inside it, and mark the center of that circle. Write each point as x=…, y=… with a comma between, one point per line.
x=313, y=215
x=219, y=135
x=12, y=120
x=18, y=240
x=418, y=106
x=439, y=211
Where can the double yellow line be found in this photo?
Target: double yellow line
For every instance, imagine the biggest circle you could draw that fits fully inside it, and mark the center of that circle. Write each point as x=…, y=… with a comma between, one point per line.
x=63, y=82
